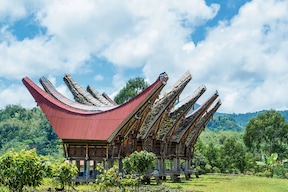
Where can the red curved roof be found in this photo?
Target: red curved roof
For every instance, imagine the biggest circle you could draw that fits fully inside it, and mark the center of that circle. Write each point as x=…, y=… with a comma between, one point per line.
x=71, y=123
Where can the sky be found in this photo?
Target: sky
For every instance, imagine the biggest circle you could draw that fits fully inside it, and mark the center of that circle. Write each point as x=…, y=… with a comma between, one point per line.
x=237, y=47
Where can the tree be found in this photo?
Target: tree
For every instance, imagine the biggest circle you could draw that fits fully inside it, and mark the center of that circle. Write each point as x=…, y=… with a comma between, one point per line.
x=267, y=133
x=19, y=169
x=212, y=154
x=232, y=155
x=132, y=88
x=250, y=163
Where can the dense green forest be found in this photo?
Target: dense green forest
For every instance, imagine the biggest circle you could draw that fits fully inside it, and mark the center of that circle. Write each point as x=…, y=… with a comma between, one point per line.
x=22, y=128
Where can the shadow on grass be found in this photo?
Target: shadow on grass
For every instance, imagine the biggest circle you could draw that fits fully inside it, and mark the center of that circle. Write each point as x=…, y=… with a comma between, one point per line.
x=220, y=179
x=200, y=185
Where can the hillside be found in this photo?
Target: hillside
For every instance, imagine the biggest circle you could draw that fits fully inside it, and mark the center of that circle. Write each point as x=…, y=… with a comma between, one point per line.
x=22, y=128
x=234, y=122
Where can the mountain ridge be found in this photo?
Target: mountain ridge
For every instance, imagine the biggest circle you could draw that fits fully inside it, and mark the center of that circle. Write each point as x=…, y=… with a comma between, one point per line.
x=235, y=122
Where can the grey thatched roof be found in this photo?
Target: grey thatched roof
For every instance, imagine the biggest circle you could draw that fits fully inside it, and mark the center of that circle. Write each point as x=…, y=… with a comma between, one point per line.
x=178, y=113
x=49, y=88
x=200, y=125
x=80, y=95
x=162, y=106
x=188, y=124
x=98, y=96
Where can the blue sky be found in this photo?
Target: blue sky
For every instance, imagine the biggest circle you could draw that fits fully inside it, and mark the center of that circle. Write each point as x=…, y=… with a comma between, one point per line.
x=237, y=47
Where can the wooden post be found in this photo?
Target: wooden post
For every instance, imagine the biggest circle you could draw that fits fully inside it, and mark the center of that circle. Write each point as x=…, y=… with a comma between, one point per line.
x=78, y=166
x=176, y=164
x=120, y=165
x=164, y=168
x=187, y=169
x=94, y=169
x=87, y=163
x=176, y=170
x=108, y=163
x=87, y=168
x=158, y=165
x=171, y=165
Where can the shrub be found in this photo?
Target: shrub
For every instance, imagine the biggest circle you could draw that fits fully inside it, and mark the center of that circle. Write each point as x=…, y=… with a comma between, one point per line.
x=281, y=171
x=107, y=178
x=63, y=172
x=208, y=168
x=216, y=170
x=139, y=162
x=20, y=169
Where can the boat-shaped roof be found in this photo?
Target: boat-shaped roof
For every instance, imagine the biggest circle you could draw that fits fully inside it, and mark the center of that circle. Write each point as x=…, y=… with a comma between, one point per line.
x=96, y=125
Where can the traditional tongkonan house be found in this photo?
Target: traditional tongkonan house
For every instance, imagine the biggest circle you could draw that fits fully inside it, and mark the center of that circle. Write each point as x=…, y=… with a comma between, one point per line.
x=94, y=129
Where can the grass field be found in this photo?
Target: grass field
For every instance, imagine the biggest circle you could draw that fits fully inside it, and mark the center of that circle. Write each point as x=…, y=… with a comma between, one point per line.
x=228, y=183
x=206, y=183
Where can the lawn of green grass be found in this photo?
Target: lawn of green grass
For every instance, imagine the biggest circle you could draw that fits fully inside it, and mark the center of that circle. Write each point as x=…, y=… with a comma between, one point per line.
x=229, y=183
x=206, y=183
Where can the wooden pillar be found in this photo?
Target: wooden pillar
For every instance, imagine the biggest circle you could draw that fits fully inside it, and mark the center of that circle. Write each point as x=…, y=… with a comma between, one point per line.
x=175, y=175
x=164, y=168
x=87, y=168
x=187, y=165
x=94, y=169
x=158, y=165
x=111, y=163
x=120, y=165
x=108, y=163
x=176, y=164
x=78, y=166
x=171, y=165
x=161, y=167
x=105, y=164
x=87, y=163
x=187, y=169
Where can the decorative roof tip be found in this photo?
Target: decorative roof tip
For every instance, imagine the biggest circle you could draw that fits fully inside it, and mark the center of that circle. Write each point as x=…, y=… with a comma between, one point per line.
x=98, y=96
x=109, y=99
x=163, y=78
x=182, y=81
x=218, y=102
x=198, y=92
x=190, y=99
x=188, y=74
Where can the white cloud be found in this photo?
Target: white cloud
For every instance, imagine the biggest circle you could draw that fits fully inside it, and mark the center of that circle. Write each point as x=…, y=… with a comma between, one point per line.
x=244, y=58
x=99, y=77
x=126, y=33
x=159, y=31
x=11, y=10
x=16, y=94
